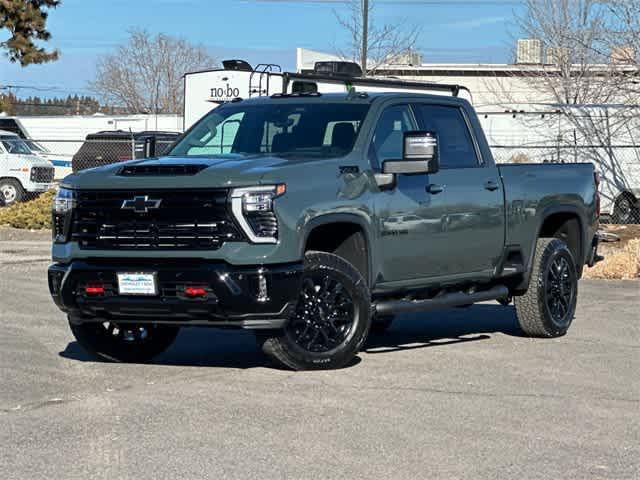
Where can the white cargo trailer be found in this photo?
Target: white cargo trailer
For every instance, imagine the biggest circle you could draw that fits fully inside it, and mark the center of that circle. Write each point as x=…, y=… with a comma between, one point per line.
x=204, y=90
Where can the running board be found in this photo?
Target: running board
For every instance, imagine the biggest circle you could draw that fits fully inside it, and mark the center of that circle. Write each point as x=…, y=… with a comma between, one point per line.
x=443, y=301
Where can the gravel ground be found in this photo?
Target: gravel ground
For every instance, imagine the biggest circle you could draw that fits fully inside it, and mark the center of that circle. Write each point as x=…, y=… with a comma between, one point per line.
x=453, y=394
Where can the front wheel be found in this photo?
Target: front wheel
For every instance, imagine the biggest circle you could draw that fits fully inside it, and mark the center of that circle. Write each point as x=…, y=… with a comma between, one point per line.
x=124, y=342
x=331, y=320
x=11, y=190
x=548, y=306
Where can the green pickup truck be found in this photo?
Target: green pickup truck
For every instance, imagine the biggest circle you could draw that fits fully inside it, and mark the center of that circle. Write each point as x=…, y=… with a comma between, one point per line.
x=314, y=219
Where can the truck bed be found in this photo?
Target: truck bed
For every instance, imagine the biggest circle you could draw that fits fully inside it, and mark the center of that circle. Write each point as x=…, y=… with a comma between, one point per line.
x=533, y=191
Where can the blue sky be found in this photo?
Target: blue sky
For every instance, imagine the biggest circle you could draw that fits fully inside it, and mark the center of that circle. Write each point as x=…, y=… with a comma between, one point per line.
x=256, y=30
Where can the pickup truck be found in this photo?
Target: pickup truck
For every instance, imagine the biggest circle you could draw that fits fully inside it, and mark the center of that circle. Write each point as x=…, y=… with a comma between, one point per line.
x=314, y=219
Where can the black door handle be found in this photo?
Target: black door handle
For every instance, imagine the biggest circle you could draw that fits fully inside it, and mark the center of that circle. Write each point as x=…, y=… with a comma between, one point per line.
x=434, y=189
x=491, y=185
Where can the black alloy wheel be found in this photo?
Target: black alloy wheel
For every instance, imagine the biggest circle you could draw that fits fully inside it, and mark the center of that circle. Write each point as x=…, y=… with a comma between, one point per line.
x=331, y=319
x=560, y=290
x=325, y=313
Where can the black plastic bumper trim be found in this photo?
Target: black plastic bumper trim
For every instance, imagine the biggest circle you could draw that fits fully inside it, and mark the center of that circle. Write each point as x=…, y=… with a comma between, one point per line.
x=232, y=298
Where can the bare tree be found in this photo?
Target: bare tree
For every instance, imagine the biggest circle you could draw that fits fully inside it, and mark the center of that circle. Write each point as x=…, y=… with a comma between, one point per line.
x=379, y=43
x=591, y=91
x=145, y=75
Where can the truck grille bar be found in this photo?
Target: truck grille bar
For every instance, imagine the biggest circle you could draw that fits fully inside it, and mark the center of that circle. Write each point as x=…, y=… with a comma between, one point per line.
x=183, y=220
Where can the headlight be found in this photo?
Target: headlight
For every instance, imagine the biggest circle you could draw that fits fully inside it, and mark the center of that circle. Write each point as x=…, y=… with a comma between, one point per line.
x=64, y=201
x=63, y=204
x=253, y=209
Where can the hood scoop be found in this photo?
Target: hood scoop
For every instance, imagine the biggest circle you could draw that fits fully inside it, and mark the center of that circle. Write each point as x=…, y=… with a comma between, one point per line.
x=161, y=170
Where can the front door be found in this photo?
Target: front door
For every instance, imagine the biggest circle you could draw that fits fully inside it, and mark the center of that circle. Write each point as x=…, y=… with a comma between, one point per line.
x=411, y=237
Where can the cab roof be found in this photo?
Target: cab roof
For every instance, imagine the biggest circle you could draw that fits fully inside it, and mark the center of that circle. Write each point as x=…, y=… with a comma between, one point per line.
x=360, y=97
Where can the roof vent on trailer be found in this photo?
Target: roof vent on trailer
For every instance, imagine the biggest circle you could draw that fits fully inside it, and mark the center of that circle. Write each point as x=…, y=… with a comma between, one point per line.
x=234, y=64
x=338, y=69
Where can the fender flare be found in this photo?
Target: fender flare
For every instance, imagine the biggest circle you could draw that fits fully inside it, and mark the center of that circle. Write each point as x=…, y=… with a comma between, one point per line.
x=546, y=213
x=353, y=218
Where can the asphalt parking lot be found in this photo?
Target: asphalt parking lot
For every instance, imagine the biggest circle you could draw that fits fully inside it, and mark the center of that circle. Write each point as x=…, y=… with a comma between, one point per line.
x=455, y=394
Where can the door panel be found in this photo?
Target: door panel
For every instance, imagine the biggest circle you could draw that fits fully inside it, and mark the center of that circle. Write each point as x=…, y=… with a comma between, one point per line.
x=411, y=221
x=473, y=194
x=474, y=219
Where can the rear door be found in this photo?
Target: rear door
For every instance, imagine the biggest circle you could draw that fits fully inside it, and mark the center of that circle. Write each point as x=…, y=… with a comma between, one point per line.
x=472, y=190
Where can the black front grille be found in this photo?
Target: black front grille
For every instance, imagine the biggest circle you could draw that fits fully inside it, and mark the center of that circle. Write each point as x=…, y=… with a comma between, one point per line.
x=42, y=174
x=181, y=220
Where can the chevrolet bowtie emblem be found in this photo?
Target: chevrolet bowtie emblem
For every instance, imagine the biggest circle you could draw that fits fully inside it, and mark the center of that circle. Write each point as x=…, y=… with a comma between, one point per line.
x=140, y=204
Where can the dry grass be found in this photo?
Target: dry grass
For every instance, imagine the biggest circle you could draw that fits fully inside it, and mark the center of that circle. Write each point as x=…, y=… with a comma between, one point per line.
x=622, y=263
x=34, y=214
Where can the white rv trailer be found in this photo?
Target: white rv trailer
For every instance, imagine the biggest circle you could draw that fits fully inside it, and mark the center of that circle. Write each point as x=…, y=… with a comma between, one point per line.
x=204, y=90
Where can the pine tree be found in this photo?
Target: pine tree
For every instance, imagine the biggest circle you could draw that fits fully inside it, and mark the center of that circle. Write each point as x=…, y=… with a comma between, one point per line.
x=26, y=21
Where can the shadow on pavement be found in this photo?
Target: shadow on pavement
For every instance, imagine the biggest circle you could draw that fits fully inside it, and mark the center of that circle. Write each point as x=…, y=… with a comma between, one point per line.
x=445, y=327
x=238, y=349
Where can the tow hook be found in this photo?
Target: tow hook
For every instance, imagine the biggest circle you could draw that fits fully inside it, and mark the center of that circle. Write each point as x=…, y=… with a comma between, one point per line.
x=505, y=301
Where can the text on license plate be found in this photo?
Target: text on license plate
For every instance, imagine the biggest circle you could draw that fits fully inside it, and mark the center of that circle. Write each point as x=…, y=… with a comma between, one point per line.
x=137, y=284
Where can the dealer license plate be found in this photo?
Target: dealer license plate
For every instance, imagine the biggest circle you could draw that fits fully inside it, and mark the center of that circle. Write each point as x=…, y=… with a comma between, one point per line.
x=137, y=284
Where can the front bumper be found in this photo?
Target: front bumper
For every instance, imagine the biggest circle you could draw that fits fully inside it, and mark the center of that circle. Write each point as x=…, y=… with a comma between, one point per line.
x=235, y=296
x=40, y=187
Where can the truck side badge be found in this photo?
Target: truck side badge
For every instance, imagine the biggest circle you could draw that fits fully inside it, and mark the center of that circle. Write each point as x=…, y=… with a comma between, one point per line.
x=349, y=169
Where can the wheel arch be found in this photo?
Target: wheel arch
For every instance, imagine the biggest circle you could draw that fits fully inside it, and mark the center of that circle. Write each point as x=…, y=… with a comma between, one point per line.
x=329, y=232
x=552, y=221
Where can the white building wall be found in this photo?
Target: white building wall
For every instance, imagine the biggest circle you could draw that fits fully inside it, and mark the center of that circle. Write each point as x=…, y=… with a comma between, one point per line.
x=65, y=134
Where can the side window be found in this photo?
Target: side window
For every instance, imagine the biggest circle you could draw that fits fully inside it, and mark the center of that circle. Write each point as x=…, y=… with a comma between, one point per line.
x=387, y=138
x=455, y=143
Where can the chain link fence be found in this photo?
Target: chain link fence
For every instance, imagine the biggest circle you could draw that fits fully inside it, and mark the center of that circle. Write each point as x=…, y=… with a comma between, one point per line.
x=618, y=165
x=71, y=155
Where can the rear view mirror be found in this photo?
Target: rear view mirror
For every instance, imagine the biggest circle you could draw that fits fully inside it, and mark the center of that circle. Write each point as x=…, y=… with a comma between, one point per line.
x=420, y=155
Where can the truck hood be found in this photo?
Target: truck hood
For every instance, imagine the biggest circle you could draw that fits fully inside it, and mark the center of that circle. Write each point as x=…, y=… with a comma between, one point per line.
x=210, y=172
x=19, y=160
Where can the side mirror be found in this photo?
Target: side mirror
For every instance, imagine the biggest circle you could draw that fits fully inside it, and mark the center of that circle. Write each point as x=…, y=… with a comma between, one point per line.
x=419, y=155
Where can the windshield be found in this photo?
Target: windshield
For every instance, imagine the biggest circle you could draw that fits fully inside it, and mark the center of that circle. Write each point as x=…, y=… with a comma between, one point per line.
x=15, y=145
x=35, y=147
x=301, y=130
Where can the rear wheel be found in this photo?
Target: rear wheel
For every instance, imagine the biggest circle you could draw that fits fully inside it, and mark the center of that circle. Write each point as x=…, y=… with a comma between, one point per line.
x=548, y=306
x=11, y=190
x=125, y=342
x=331, y=321
x=626, y=210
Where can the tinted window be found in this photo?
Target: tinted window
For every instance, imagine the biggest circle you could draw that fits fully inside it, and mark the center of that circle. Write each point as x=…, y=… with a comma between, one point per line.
x=387, y=139
x=456, y=146
x=292, y=130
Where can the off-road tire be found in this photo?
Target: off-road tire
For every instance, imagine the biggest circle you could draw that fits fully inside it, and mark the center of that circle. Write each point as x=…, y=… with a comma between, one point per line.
x=381, y=323
x=96, y=339
x=285, y=351
x=533, y=308
x=15, y=186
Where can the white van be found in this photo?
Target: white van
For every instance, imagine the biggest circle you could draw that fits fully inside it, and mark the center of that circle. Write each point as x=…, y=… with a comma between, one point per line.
x=21, y=173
